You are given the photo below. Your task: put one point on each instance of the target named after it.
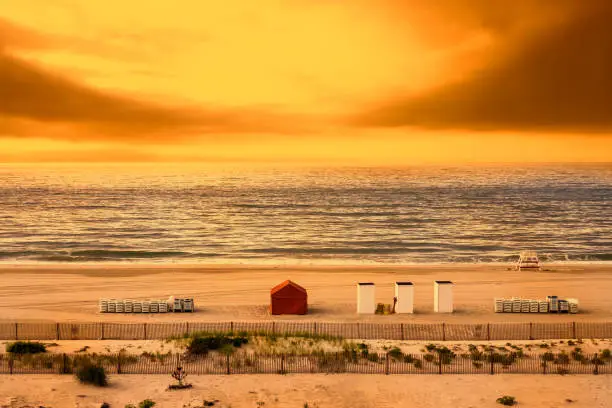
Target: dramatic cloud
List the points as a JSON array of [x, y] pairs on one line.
[[30, 94], [556, 78]]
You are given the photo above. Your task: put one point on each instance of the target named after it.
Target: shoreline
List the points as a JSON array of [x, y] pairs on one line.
[[302, 266], [272, 264]]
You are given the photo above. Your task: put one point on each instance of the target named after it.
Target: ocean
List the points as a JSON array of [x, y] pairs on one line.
[[164, 213]]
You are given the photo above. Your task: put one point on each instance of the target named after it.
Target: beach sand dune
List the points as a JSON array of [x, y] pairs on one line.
[[71, 292]]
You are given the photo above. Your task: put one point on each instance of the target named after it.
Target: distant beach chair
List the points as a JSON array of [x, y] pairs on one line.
[[146, 306], [112, 306], [163, 307], [154, 306], [543, 306], [137, 306], [528, 261], [120, 308]]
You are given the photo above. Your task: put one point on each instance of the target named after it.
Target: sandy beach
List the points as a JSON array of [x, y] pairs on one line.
[[70, 293], [318, 391]]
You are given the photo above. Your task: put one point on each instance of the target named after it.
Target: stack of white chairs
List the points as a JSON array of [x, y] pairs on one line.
[[103, 305], [146, 306], [516, 305], [499, 305], [188, 305], [525, 305], [177, 305], [573, 305], [551, 305]]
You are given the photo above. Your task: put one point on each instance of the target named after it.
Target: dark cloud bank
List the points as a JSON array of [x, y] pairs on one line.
[[557, 79]]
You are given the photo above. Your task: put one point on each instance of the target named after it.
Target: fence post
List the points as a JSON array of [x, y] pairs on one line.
[[574, 330], [57, 331], [315, 328], [596, 362], [102, 331], [439, 363], [64, 358], [544, 365], [488, 331], [358, 331], [387, 365], [492, 363], [530, 330], [402, 330], [273, 328], [443, 331], [16, 331], [11, 361], [232, 327], [282, 364], [227, 364], [119, 363], [144, 326], [187, 327]]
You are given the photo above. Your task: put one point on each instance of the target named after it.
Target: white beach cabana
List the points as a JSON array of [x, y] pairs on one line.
[[443, 297], [366, 298], [404, 292]]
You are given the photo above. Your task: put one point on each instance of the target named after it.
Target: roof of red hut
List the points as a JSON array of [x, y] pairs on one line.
[[285, 284]]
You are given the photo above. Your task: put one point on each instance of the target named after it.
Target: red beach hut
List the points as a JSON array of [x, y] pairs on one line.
[[288, 298]]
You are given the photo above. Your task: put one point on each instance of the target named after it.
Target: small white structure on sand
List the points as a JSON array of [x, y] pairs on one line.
[[528, 261], [366, 298], [404, 292], [443, 297]]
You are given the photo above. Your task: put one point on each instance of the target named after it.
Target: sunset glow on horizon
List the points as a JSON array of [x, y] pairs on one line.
[[383, 82]]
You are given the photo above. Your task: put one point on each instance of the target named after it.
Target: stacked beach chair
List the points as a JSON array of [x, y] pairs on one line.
[[146, 306], [573, 305], [552, 304]]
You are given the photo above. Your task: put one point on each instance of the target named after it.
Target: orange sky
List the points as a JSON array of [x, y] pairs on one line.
[[297, 81]]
